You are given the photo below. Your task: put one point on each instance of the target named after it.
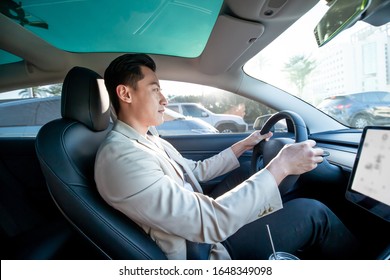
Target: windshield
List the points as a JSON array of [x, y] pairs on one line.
[[348, 78]]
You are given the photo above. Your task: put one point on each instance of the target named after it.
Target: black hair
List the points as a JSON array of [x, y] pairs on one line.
[[125, 70]]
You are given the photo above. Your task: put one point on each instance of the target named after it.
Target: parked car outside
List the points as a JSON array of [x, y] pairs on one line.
[[178, 124], [31, 114], [280, 126], [359, 109], [225, 123], [35, 112]]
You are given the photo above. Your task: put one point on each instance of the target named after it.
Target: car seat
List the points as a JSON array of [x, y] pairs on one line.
[[66, 149]]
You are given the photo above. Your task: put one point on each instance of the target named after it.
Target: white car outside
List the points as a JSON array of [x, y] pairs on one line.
[[225, 123]]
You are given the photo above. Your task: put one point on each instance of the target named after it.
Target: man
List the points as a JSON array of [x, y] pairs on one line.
[[148, 180]]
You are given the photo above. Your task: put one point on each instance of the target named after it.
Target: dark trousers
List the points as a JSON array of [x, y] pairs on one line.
[[304, 227]]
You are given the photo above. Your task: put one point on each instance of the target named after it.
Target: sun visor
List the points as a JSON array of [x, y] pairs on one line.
[[236, 36]]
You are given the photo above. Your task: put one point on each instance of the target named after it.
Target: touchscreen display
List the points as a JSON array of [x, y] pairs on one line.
[[372, 174], [369, 185]]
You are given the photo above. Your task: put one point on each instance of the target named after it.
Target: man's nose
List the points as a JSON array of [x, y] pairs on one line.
[[164, 101]]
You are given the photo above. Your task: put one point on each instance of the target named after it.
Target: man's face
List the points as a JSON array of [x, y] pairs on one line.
[[148, 103]]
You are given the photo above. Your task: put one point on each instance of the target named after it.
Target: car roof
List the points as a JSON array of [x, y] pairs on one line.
[[174, 114], [183, 103], [342, 96], [155, 27]]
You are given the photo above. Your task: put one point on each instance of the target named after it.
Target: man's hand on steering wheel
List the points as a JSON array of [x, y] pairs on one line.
[[250, 142], [266, 151], [295, 159]]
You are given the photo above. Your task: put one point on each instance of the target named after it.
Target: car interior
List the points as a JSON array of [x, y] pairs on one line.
[[50, 208]]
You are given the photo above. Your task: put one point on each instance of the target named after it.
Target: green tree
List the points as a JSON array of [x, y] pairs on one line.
[[41, 91], [54, 89], [298, 69]]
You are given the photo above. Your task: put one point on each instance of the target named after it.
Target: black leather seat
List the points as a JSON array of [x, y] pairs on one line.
[[66, 149]]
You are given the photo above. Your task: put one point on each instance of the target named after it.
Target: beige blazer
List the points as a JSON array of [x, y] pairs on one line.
[[137, 177]]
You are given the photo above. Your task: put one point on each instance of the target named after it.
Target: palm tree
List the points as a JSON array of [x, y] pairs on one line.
[[29, 93], [298, 69], [35, 92]]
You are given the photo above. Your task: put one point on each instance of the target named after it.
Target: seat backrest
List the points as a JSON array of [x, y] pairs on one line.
[[66, 149]]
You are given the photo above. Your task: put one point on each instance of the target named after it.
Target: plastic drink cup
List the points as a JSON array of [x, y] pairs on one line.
[[282, 256]]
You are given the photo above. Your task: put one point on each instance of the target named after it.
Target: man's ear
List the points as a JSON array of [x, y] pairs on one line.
[[124, 93]]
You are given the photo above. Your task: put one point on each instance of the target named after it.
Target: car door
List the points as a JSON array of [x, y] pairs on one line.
[[381, 107]]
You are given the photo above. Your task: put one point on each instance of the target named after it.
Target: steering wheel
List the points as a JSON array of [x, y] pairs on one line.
[[265, 151]]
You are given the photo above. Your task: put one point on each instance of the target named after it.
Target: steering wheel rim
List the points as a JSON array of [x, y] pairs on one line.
[[265, 151]]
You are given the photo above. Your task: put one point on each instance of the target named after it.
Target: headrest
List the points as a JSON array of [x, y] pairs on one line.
[[85, 99]]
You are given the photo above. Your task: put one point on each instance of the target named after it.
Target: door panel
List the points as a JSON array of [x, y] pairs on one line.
[[31, 226], [200, 147]]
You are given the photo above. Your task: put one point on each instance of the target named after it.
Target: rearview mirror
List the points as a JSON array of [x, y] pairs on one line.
[[341, 15]]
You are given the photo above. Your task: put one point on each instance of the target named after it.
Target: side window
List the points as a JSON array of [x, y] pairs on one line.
[[386, 97], [24, 111], [208, 110], [370, 97], [193, 111], [174, 108]]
